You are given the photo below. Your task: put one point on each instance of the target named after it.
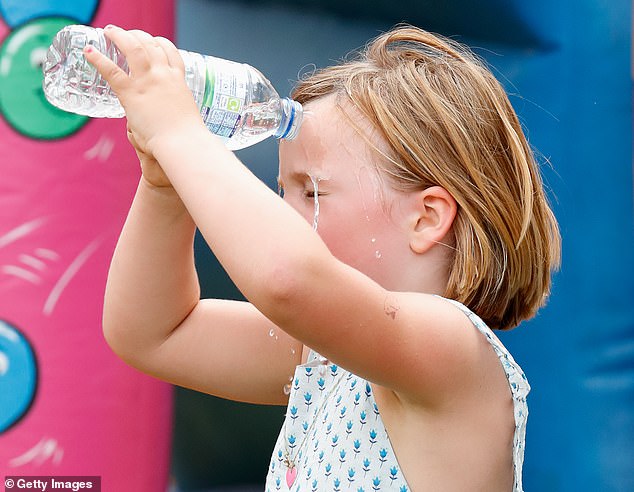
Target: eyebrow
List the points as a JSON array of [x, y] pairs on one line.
[[294, 176], [301, 178]]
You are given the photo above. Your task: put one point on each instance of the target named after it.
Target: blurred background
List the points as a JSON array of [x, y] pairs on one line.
[[567, 66]]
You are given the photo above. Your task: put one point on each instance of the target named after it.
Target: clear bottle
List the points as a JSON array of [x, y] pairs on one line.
[[235, 100]]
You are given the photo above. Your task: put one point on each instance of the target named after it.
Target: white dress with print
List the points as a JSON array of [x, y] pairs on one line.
[[334, 435]]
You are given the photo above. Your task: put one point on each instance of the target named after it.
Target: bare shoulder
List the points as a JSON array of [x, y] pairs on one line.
[[418, 345], [442, 351]]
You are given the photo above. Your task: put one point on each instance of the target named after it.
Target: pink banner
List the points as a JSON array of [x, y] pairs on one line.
[[68, 406]]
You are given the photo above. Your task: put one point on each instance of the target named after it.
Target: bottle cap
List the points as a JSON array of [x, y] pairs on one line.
[[292, 113]]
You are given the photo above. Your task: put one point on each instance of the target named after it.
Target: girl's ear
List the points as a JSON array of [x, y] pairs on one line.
[[433, 213]]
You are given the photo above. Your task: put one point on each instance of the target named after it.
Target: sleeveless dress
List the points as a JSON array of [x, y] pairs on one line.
[[333, 437]]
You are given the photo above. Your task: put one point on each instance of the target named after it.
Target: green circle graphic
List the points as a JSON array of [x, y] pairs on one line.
[[22, 100]]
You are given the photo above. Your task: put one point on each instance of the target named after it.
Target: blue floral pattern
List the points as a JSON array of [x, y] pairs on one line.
[[334, 433]]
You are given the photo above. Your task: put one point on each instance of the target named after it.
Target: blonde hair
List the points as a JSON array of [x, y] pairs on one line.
[[448, 122]]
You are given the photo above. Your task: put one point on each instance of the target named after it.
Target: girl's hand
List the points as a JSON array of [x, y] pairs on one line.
[[150, 168], [156, 99]]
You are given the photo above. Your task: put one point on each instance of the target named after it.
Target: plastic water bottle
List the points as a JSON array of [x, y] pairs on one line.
[[235, 100]]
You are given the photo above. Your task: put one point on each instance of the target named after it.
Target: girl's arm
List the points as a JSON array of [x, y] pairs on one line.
[[272, 254], [153, 317], [154, 320]]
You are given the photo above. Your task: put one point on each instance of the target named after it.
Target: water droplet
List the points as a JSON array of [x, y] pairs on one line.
[[378, 254], [271, 332], [292, 351], [287, 389], [373, 240]]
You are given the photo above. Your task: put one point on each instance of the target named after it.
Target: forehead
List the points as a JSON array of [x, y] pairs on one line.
[[331, 132]]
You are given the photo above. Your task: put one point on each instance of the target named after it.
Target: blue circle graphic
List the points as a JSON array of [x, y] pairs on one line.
[[18, 375], [16, 12]]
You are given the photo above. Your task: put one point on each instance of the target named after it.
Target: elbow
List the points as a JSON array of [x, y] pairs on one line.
[[124, 347], [289, 285], [282, 294], [113, 336], [113, 323], [118, 336]]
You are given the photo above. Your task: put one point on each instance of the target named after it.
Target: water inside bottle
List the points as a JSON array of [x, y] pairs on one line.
[[73, 84]]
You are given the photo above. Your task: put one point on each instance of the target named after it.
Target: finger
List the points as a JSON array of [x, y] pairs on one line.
[[130, 45], [153, 49], [173, 56], [132, 140], [109, 70]]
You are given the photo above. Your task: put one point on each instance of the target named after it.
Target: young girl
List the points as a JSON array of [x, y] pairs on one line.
[[375, 313]]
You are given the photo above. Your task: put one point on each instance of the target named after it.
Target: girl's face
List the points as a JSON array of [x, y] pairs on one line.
[[356, 213]]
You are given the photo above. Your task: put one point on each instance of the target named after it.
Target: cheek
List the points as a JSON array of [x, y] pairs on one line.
[[360, 237]]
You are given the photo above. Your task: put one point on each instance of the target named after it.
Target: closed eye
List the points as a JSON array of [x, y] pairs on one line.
[[311, 193]]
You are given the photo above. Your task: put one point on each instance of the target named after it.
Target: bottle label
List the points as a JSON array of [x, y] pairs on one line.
[[225, 96]]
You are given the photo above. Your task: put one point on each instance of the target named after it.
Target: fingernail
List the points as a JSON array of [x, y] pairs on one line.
[[109, 26], [88, 49]]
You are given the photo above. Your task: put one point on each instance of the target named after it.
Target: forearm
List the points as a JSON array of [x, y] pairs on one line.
[[152, 284], [262, 242]]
